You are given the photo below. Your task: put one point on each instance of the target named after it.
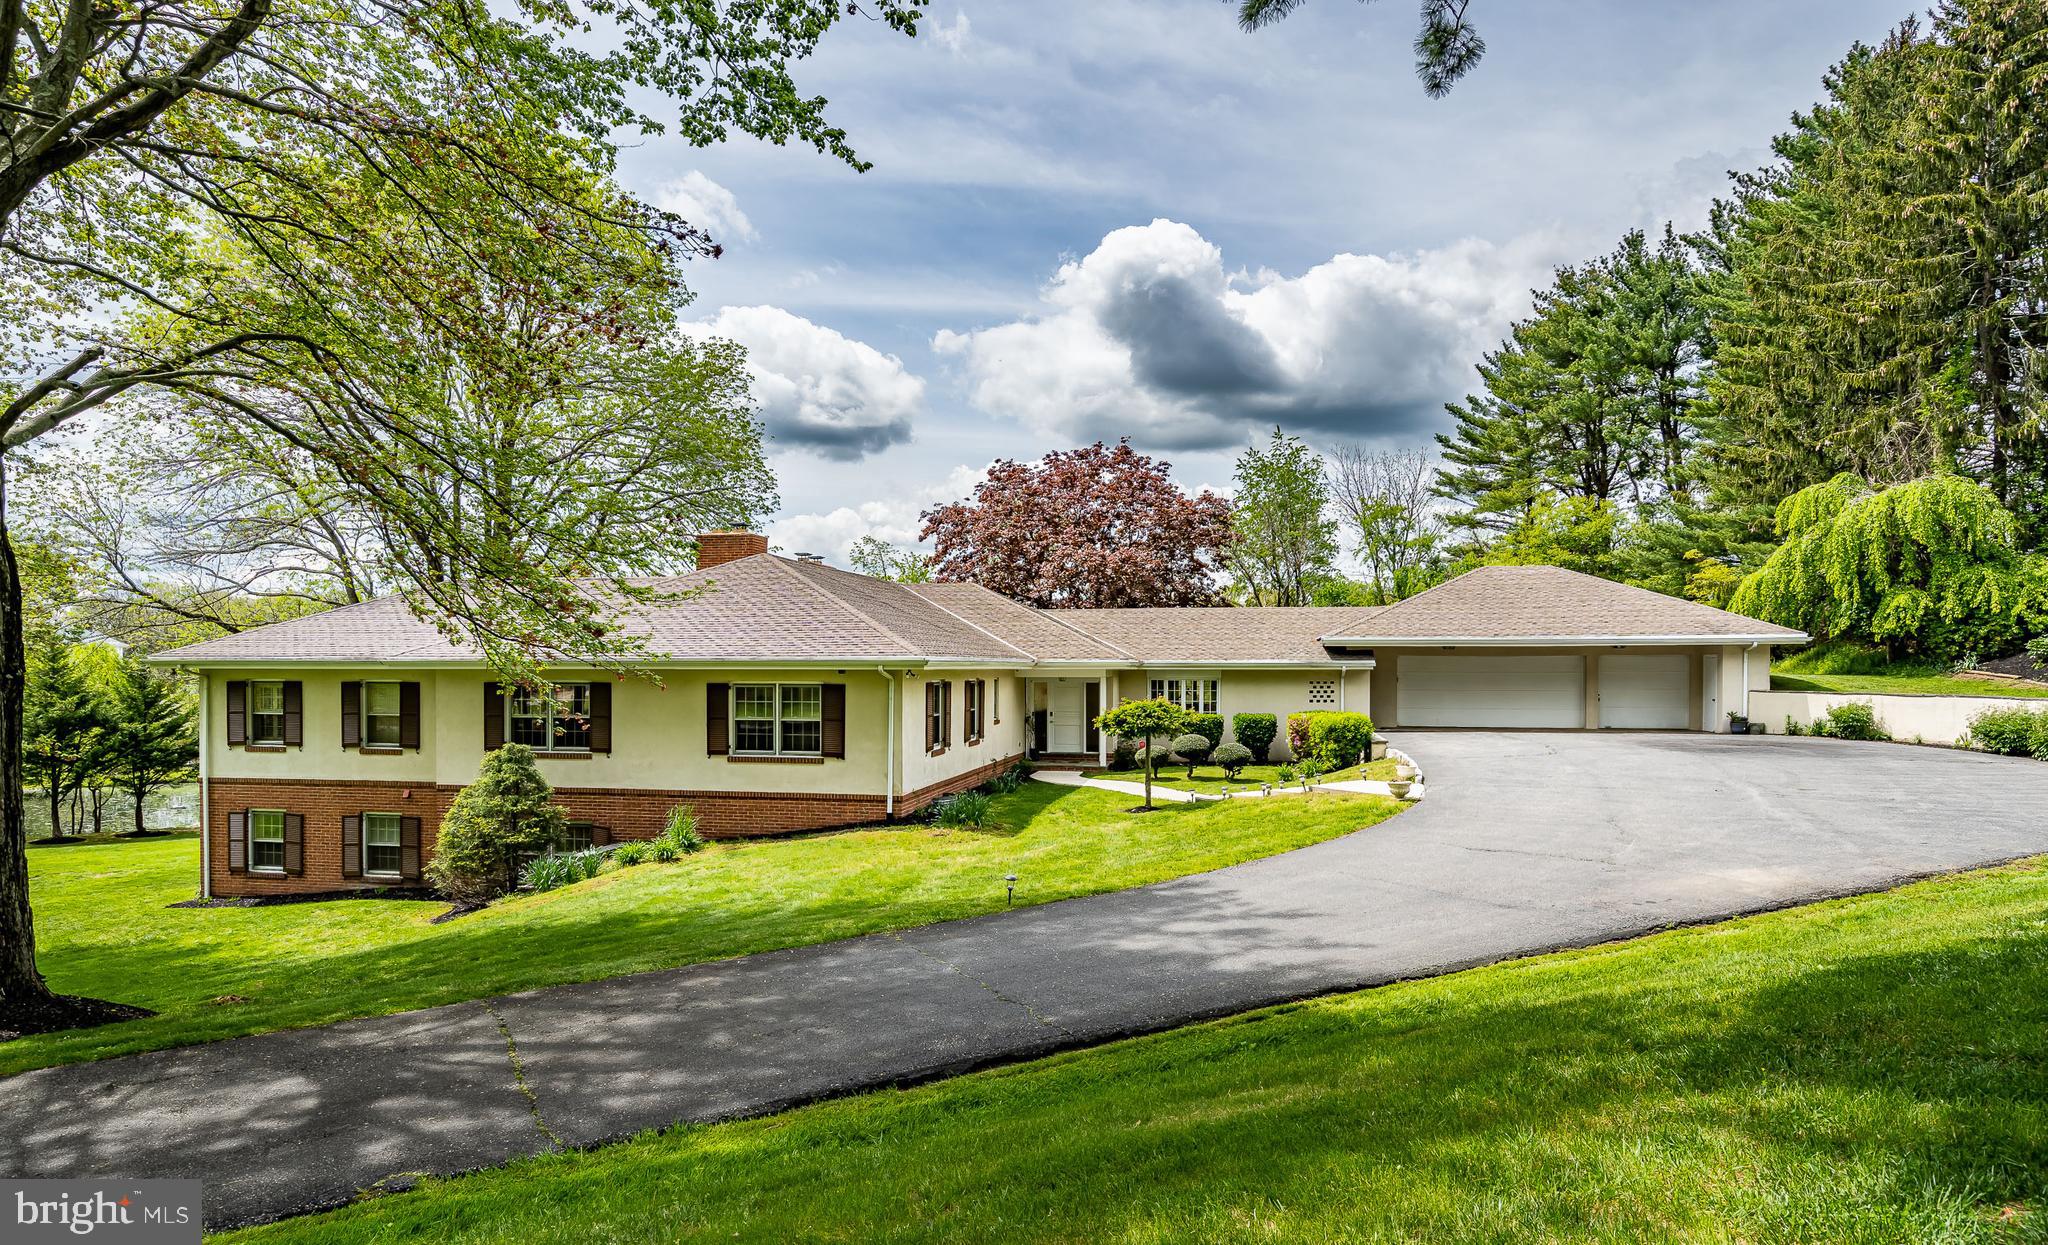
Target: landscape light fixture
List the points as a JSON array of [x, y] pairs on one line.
[[1009, 889]]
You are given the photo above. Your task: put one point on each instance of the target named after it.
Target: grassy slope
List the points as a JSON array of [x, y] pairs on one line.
[[104, 930], [1868, 1070], [1209, 778], [1908, 682]]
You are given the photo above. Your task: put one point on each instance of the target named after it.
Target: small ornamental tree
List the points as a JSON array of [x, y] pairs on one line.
[[1149, 720], [509, 810], [1232, 758]]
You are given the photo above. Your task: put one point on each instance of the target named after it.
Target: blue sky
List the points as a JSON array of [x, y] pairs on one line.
[[1091, 218]]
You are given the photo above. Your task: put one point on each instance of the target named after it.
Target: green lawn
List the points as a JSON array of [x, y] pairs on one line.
[[103, 927], [1911, 682], [1210, 779], [1874, 1069]]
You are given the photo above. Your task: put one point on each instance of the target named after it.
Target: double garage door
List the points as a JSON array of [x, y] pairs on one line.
[[1640, 691]]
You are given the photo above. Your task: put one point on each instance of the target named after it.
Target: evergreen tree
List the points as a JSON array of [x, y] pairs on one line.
[[62, 723], [507, 812], [152, 739]]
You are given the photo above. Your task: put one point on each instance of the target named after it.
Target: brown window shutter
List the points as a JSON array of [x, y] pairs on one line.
[[600, 717], [494, 715], [931, 716], [995, 702], [352, 846], [409, 847], [294, 713], [945, 713], [294, 844], [1094, 712], [717, 719], [238, 712], [238, 842], [600, 835], [351, 715], [833, 730], [408, 715]]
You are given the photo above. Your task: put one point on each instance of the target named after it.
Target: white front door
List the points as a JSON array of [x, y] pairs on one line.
[[1710, 692], [1491, 690], [1646, 691], [1068, 731]]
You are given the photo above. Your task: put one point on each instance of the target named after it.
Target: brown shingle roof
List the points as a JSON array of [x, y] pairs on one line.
[[1541, 602], [1220, 633], [759, 608], [767, 608]]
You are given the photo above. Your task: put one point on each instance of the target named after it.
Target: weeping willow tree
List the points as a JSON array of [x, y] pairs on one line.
[[1932, 568]]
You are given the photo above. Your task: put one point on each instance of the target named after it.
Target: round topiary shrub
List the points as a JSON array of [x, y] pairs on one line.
[[1191, 750], [1232, 757]]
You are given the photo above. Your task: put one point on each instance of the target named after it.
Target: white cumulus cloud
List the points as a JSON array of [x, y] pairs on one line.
[[1151, 335], [894, 519], [707, 205], [818, 389]]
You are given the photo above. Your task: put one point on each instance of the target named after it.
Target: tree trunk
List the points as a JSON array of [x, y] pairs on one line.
[[23, 993], [139, 796]]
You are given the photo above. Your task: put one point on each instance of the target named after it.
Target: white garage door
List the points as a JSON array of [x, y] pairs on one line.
[[1645, 691], [1474, 690]]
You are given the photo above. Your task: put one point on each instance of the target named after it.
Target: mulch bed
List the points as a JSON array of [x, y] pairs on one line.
[[70, 1011], [273, 901], [2018, 666]]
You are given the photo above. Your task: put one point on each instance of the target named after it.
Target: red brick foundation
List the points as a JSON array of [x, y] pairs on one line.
[[630, 814]]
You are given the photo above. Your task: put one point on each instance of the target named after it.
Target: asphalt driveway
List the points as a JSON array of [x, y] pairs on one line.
[[1529, 841]]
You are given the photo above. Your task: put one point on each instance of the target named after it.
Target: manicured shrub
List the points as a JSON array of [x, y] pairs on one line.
[[1209, 725], [1191, 750], [1855, 719], [1232, 757], [682, 830], [2009, 732], [1336, 740], [506, 814], [966, 810], [1256, 731], [626, 855]]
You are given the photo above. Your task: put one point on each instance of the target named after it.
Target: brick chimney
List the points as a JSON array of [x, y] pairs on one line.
[[718, 548]]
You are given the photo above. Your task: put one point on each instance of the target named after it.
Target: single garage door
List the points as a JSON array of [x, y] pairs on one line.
[[1475, 690], [1645, 691]]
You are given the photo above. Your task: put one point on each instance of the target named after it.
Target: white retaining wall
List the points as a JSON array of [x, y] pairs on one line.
[[1923, 719]]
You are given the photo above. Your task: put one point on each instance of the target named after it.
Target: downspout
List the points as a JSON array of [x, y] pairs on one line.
[[889, 798], [1745, 678], [205, 786]]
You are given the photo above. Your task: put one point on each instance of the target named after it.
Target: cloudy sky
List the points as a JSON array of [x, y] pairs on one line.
[[1100, 218]]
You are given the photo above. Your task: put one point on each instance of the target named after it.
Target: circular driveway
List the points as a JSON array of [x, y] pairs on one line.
[[1528, 841]]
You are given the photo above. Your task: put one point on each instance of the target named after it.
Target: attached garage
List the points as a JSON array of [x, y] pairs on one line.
[[1645, 691], [1505, 690]]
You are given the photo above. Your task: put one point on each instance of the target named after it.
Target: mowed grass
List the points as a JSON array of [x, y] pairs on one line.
[[1210, 780], [1866, 1070], [1911, 682], [104, 927]]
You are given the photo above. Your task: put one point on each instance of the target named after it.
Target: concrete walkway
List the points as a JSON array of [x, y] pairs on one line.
[[1531, 841]]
